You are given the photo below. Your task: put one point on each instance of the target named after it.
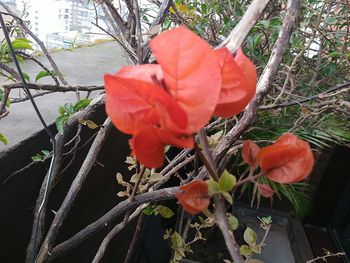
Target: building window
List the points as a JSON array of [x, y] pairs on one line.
[[66, 11], [66, 17]]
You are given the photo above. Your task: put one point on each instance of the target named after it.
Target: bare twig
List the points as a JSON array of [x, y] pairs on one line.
[[241, 31], [54, 88], [73, 191], [110, 217], [36, 236], [221, 221], [327, 255], [135, 238]]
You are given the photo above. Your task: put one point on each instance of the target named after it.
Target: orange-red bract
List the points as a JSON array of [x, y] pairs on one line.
[[248, 69], [288, 160], [191, 73], [235, 92], [134, 104], [249, 152], [265, 190], [193, 196], [148, 145]]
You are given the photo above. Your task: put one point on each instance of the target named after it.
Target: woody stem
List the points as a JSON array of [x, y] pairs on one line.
[[206, 156], [137, 184]]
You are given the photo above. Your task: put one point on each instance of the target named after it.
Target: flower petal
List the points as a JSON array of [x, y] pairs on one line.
[[191, 73], [235, 93]]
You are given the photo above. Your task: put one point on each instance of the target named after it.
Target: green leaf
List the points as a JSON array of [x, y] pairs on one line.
[[256, 249], [69, 108], [21, 43], [60, 122], [227, 181], [81, 104], [228, 197], [26, 76], [250, 236], [149, 210], [3, 139], [62, 110], [245, 250], [45, 152], [37, 158], [43, 74], [331, 20], [213, 187], [164, 211], [89, 123], [232, 222]]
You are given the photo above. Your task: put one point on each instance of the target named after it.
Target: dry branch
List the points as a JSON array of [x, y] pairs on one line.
[[62, 213]]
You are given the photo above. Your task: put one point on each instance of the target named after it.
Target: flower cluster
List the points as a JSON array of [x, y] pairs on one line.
[[166, 103], [288, 160]]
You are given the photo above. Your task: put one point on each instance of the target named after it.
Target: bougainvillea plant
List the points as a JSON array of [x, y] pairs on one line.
[[167, 103]]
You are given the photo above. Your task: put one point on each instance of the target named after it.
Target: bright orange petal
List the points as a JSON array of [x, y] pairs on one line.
[[235, 93], [249, 152], [148, 148], [134, 101], [191, 73], [289, 160], [248, 69]]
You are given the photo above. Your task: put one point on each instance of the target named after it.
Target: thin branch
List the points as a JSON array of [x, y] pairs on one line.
[[110, 217], [9, 70], [54, 88], [73, 191], [38, 223], [221, 221], [321, 95], [135, 238], [248, 21], [25, 55]]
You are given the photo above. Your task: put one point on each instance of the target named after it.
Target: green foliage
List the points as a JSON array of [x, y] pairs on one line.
[[3, 139], [19, 43], [67, 110], [8, 102], [42, 156], [43, 74]]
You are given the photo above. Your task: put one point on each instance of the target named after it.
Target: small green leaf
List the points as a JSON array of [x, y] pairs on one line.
[[256, 249], [3, 139], [69, 108], [213, 187], [245, 250], [164, 211], [232, 222], [250, 236], [37, 158], [60, 122], [227, 181], [228, 197], [45, 152], [26, 76], [42, 74], [21, 43], [81, 104], [149, 210], [62, 110], [91, 124]]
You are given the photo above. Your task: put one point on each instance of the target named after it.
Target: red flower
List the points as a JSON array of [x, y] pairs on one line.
[[249, 152], [194, 196], [265, 190], [288, 160], [166, 103]]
